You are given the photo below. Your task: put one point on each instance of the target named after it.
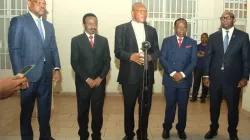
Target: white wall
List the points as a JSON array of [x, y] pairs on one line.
[[205, 8], [246, 93]]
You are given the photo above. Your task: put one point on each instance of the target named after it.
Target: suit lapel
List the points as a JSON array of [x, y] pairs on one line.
[[86, 42], [46, 28], [232, 40], [220, 42], [33, 27], [183, 42], [96, 40], [146, 31], [131, 35], [174, 41]]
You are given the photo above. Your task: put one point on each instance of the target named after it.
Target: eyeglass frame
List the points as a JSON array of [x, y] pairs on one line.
[[39, 3], [226, 18], [141, 11]]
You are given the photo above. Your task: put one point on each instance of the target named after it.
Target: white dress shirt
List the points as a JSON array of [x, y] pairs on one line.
[[139, 33], [35, 19], [93, 39], [230, 33]]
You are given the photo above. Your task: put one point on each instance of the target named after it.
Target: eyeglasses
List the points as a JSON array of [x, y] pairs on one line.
[[141, 11], [181, 28], [226, 18], [39, 3]]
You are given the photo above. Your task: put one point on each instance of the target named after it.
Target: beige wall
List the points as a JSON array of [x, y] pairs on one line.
[[246, 93]]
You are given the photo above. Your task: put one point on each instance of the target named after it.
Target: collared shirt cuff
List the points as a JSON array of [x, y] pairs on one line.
[[57, 68], [87, 79], [172, 74], [205, 76], [183, 75]]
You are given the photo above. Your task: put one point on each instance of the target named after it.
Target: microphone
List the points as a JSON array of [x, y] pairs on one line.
[[146, 45]]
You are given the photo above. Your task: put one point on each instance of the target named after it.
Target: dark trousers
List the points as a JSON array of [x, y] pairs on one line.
[[176, 96], [42, 91], [85, 97], [198, 72], [231, 95], [130, 94]]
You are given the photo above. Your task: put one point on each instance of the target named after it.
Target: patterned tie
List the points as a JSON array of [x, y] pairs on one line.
[[91, 41], [179, 42], [40, 27], [225, 42]]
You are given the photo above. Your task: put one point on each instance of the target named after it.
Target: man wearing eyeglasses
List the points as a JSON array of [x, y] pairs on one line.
[[178, 59], [226, 72], [32, 41], [128, 42]]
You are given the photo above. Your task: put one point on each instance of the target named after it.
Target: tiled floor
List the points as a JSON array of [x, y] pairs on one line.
[[64, 125]]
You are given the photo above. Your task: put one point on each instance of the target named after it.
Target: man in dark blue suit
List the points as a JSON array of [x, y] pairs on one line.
[[226, 72], [32, 41], [178, 59]]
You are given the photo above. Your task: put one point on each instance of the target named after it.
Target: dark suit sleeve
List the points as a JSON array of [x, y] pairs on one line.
[[245, 57], [14, 42], [155, 54], [120, 53], [188, 70], [208, 56], [106, 59], [54, 51], [75, 58], [164, 58]]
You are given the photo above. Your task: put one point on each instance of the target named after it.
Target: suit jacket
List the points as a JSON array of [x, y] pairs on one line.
[[89, 62], [177, 59], [125, 45], [27, 47], [235, 59]]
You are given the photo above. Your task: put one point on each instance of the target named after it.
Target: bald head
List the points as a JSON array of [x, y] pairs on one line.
[[135, 5], [228, 13]]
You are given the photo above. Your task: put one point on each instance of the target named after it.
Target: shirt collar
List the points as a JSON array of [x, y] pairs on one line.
[[136, 23], [179, 37], [34, 16], [89, 35], [230, 30]]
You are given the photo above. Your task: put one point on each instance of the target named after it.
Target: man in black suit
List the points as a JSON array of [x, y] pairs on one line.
[[226, 72], [128, 41], [90, 59]]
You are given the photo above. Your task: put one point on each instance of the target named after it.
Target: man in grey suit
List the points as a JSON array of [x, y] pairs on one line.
[[32, 41], [90, 59]]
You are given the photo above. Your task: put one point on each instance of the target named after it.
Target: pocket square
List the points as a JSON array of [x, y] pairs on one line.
[[188, 46]]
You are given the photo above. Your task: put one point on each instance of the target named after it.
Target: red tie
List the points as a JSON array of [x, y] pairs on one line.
[[91, 41], [179, 42]]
